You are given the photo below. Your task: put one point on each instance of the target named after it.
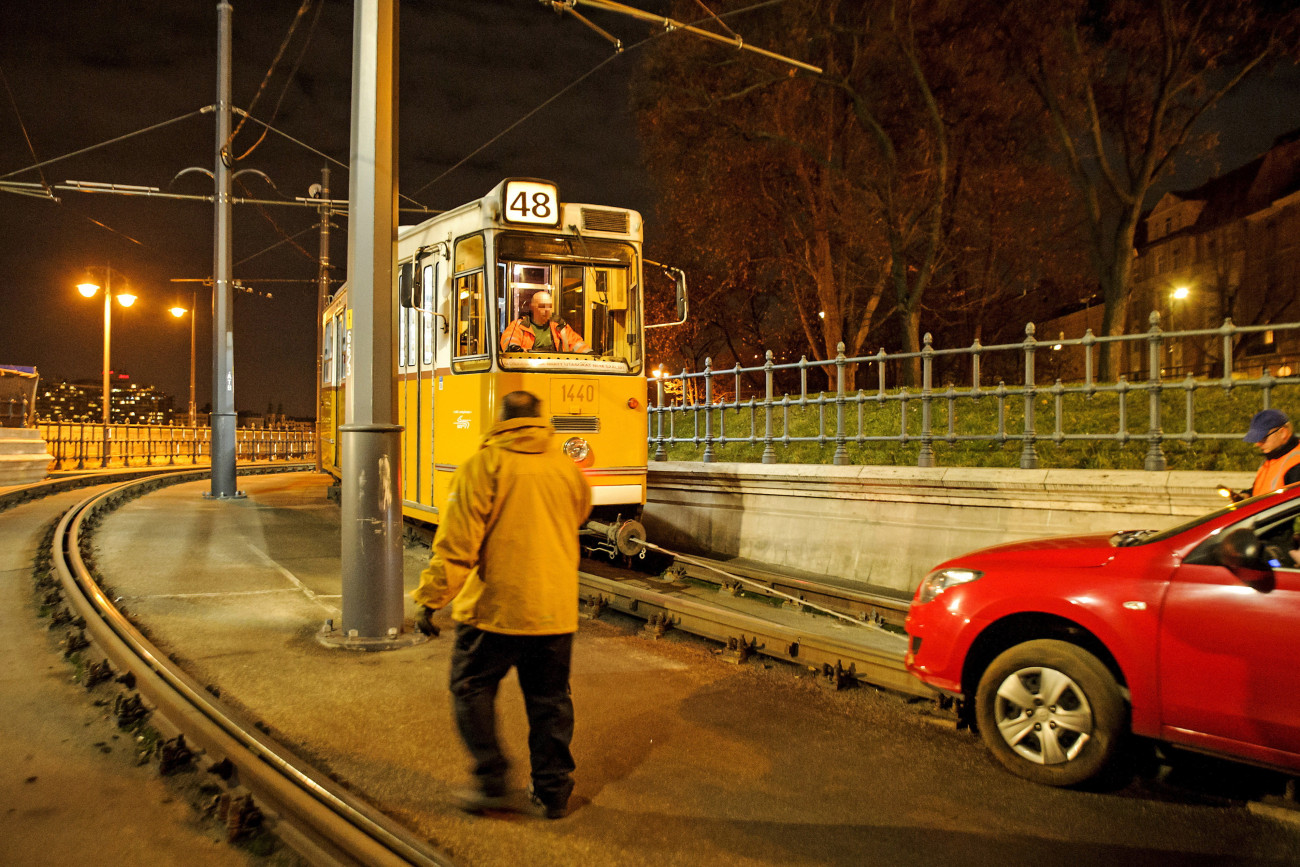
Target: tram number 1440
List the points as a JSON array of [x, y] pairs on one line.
[[573, 397]]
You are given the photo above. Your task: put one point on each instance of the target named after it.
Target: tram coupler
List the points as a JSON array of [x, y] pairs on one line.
[[620, 537]]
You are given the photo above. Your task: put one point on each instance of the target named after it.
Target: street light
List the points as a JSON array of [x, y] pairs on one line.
[[88, 287], [179, 311], [1179, 293]]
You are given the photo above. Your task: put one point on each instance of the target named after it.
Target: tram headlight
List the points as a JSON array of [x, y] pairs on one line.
[[579, 450]]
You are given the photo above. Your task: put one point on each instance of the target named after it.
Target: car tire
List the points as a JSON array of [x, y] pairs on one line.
[[1050, 712]]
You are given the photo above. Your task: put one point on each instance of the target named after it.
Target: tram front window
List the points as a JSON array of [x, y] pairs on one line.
[[567, 298]]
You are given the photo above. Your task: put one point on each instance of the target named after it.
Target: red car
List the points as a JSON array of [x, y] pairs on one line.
[[1060, 647]]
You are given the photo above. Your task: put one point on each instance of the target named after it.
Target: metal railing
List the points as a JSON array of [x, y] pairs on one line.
[[78, 445], [708, 406]]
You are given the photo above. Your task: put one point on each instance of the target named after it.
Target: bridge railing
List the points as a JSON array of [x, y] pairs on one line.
[[78, 445], [1156, 403]]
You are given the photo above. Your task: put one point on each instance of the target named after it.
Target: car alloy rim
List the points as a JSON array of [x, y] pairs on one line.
[[1043, 715]]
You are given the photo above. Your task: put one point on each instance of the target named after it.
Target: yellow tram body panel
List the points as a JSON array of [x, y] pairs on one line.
[[465, 276]]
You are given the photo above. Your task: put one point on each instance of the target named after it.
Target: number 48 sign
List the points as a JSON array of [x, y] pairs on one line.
[[533, 202]]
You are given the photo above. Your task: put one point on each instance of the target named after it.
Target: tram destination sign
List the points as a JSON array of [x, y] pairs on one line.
[[531, 202]]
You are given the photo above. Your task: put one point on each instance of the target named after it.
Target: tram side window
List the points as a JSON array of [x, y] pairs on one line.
[[345, 349], [471, 313], [426, 319], [403, 317], [327, 356]]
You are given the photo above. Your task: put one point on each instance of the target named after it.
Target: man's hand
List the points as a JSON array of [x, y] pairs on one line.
[[424, 623]]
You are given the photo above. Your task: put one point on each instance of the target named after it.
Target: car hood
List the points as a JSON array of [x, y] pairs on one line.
[[1065, 551]]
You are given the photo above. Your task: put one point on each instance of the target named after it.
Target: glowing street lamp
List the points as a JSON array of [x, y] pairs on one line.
[[88, 287], [179, 311]]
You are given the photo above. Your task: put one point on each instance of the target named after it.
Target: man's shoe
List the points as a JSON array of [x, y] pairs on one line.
[[549, 809], [475, 802]]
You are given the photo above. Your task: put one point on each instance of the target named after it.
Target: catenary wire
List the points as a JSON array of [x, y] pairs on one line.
[[261, 88], [574, 84]]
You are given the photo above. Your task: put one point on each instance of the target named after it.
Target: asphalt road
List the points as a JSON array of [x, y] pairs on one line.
[[683, 758]]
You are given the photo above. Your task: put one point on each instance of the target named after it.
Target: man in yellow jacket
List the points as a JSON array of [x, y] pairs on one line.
[[506, 557]]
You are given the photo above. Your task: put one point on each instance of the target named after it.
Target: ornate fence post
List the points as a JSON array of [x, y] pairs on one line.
[[926, 456], [1155, 460], [1029, 451], [1088, 341], [841, 451], [769, 453], [661, 453], [1227, 330], [708, 411]]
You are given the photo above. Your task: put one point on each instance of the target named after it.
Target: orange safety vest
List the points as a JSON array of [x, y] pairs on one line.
[[564, 338], [1272, 473]]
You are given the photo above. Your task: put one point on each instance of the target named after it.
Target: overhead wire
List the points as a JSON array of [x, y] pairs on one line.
[[266, 80], [620, 50], [23, 126], [120, 138]]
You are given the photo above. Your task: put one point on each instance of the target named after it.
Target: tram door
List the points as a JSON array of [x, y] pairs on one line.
[[416, 363], [460, 389]]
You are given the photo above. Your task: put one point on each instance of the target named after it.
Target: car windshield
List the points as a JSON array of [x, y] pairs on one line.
[[1196, 522], [564, 298]]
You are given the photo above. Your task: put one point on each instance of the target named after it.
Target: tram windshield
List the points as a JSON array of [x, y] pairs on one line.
[[567, 303]]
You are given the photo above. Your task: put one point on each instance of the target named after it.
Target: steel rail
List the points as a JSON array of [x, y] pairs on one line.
[[849, 600], [872, 665], [317, 817]]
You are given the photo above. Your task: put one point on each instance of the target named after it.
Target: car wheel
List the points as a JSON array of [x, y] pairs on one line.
[[1050, 712]]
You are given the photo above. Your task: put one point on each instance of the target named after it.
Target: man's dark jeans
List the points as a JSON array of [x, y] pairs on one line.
[[478, 662]]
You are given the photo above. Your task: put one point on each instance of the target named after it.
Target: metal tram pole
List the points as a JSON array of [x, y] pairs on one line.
[[223, 341], [322, 297], [371, 483]]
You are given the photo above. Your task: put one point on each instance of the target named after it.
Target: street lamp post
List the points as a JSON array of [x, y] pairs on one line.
[[88, 287], [178, 312]]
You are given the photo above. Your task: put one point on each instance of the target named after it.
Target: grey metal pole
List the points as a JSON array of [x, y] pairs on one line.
[[194, 314], [323, 291], [223, 341], [371, 483]]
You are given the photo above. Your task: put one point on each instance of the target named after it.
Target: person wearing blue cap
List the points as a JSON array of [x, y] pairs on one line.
[[1271, 430]]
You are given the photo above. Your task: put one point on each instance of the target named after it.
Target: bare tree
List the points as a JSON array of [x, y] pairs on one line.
[[1124, 83]]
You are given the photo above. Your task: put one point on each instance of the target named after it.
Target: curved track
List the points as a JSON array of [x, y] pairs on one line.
[[311, 813]]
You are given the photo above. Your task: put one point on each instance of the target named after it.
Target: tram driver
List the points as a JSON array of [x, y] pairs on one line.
[[540, 332]]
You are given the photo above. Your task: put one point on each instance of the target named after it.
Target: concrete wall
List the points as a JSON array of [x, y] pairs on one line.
[[24, 457], [885, 527]]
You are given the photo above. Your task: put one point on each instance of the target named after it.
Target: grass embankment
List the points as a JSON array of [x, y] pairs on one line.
[[1214, 411]]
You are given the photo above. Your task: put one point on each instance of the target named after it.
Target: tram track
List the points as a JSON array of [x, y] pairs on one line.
[[307, 810], [854, 649]]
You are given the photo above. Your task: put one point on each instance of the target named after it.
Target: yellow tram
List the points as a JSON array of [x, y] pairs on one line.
[[469, 280]]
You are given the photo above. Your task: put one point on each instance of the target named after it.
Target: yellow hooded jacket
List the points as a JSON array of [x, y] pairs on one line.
[[506, 551]]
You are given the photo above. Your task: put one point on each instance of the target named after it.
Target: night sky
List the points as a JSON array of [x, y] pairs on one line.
[[81, 73]]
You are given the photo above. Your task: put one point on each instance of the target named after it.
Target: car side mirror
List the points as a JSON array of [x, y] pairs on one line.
[[1241, 550]]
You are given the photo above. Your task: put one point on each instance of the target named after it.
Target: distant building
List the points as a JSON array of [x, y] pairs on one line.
[[1228, 248], [83, 401]]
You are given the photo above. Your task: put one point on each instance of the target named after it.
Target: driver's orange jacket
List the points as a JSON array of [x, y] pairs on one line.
[[564, 338], [1272, 473]]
